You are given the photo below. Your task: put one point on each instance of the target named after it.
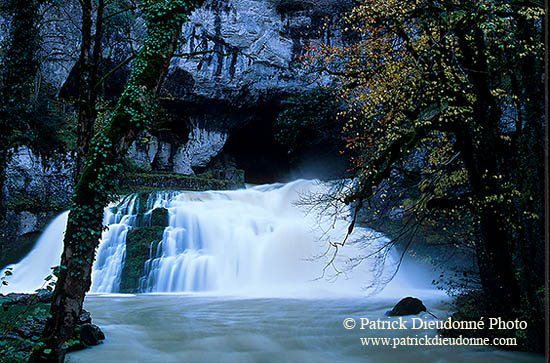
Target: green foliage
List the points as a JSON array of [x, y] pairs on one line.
[[451, 92], [17, 75], [119, 18], [29, 114], [98, 180], [307, 119], [20, 315]]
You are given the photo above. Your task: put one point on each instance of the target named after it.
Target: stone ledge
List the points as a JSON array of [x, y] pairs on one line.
[[222, 180]]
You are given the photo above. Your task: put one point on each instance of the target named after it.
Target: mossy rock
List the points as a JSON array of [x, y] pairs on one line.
[[35, 204], [138, 243], [159, 217], [86, 335], [154, 181]]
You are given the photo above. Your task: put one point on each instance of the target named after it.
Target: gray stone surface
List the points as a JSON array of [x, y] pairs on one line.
[[248, 48], [28, 175], [234, 57], [35, 191], [201, 147], [163, 158], [28, 222], [241, 44], [60, 31], [143, 152]]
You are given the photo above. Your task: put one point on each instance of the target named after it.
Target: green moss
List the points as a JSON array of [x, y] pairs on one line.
[[159, 217], [138, 243], [35, 204], [133, 182], [14, 314], [13, 251]]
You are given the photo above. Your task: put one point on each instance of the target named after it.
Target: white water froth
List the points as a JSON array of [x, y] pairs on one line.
[[253, 242], [112, 249]]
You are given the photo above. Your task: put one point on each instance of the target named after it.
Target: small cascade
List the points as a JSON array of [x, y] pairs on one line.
[[251, 240], [111, 252]]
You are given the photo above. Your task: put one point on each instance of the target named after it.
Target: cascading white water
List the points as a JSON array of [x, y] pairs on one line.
[[254, 240], [29, 273], [111, 252]]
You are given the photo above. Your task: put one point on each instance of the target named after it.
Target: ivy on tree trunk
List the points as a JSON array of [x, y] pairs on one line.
[[97, 181], [88, 76]]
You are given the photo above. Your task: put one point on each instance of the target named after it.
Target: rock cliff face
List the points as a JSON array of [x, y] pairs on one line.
[[230, 49], [248, 49], [236, 61], [35, 191], [41, 185]]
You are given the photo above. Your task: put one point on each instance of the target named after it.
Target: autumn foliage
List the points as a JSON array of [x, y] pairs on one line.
[[450, 94]]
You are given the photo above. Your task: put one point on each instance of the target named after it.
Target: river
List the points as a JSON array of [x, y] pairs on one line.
[[202, 328], [237, 276]]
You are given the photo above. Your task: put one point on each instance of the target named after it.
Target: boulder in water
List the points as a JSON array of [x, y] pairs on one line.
[[407, 306], [91, 334]]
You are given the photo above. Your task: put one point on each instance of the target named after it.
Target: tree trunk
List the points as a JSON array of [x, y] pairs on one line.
[[481, 147], [88, 75], [92, 193]]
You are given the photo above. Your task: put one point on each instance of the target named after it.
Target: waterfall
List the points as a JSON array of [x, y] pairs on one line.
[[255, 240], [29, 273], [112, 250]]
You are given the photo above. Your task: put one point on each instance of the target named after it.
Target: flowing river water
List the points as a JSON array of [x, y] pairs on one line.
[[194, 328], [238, 277]]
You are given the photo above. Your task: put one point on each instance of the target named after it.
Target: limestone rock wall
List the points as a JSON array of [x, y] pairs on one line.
[[35, 190]]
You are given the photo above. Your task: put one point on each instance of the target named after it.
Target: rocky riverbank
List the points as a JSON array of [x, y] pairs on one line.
[[22, 319]]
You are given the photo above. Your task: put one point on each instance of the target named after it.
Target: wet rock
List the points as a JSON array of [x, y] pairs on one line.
[[143, 152], [140, 244], [84, 318], [407, 306], [16, 298], [163, 158], [91, 334], [159, 217], [44, 296], [30, 175], [27, 223]]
